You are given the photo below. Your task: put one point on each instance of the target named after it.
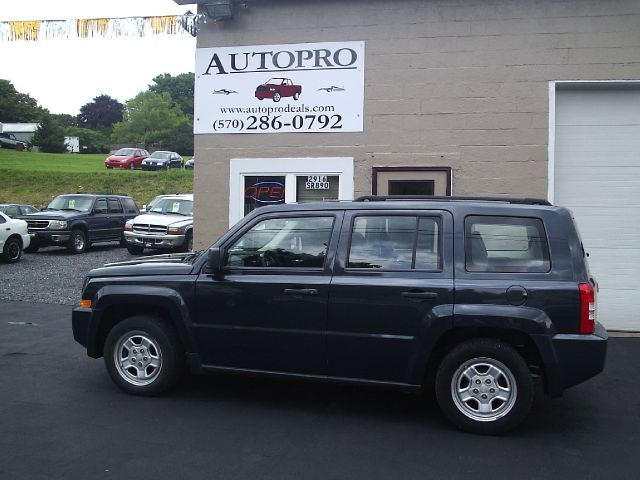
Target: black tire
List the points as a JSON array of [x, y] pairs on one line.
[[187, 246], [12, 251], [77, 242], [505, 387], [132, 166], [134, 249], [276, 96], [158, 361], [32, 248], [296, 96]]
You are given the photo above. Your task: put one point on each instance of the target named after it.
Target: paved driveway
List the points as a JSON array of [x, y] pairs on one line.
[[62, 418]]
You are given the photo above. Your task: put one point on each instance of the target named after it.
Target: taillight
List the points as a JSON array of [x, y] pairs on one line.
[[587, 308]]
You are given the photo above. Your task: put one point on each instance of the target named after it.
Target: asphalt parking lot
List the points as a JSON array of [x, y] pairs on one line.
[[62, 418]]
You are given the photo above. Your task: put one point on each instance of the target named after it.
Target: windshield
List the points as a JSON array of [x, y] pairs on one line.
[[277, 81], [171, 206], [80, 203], [161, 155], [124, 152]]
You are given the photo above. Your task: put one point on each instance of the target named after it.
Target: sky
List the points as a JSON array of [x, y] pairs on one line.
[[65, 74]]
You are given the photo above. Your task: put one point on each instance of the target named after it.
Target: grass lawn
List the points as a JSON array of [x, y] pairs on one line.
[[36, 178]]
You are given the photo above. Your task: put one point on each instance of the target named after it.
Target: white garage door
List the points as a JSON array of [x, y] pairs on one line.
[[597, 176]]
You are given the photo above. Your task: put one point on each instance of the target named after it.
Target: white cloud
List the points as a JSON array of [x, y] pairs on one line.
[[64, 74]]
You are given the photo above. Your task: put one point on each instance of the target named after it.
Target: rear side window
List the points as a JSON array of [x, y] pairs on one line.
[[506, 245], [129, 205], [114, 206], [395, 243]]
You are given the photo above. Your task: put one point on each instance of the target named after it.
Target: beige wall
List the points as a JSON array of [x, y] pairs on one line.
[[457, 83]]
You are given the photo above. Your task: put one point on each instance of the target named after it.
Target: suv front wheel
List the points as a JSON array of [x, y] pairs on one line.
[[78, 242], [143, 355], [484, 386]]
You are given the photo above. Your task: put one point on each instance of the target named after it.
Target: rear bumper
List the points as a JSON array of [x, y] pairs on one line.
[[572, 359]]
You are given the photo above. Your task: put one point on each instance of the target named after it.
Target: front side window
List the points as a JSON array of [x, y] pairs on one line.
[[506, 245], [395, 243], [299, 242], [101, 206]]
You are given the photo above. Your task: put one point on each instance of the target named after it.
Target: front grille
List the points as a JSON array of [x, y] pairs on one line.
[[37, 224], [147, 228]]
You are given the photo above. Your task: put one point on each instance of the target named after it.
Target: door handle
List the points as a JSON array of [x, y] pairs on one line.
[[420, 295], [300, 291]]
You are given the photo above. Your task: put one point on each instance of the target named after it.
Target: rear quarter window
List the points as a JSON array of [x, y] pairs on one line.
[[506, 245]]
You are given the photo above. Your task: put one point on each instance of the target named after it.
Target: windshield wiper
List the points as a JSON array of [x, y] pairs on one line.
[[74, 209], [50, 208], [180, 213]]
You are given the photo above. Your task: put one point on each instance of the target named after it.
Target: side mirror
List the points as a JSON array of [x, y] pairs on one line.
[[214, 260], [144, 208]]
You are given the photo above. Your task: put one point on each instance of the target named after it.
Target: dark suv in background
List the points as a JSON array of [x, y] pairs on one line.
[[473, 297], [78, 220]]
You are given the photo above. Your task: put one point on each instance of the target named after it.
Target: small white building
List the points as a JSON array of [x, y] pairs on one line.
[[23, 131]]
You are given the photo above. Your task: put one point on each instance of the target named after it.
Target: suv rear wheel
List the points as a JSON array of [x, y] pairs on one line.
[[484, 386], [143, 355]]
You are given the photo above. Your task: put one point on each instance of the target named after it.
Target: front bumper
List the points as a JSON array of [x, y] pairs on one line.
[[49, 237], [154, 241], [154, 167], [80, 321], [572, 359]]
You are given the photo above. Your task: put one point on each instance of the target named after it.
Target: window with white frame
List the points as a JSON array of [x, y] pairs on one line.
[[255, 182]]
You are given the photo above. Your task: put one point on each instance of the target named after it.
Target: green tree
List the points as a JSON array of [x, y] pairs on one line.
[[16, 107], [91, 141], [65, 119], [153, 119], [49, 136], [180, 88], [103, 111]]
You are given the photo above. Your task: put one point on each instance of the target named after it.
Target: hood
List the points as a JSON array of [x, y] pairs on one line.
[[164, 220], [156, 160], [169, 264], [119, 157], [53, 215]]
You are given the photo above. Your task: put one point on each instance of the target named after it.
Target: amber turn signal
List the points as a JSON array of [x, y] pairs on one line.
[[85, 303]]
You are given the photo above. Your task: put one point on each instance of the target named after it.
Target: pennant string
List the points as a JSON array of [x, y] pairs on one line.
[[34, 30]]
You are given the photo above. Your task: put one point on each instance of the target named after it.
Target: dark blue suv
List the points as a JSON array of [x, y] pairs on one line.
[[76, 221], [476, 298]]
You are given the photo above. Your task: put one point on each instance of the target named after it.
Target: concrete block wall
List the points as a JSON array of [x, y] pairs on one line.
[[456, 83]]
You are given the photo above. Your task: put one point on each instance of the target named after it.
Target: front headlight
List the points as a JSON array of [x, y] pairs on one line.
[[58, 225], [175, 231], [128, 227]]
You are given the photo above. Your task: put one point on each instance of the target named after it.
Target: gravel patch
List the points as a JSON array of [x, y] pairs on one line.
[[52, 275]]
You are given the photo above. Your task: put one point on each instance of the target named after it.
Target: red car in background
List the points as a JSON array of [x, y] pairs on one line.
[[126, 158], [276, 88]]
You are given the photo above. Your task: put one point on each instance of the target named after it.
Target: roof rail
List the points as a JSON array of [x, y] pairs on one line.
[[429, 198]]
